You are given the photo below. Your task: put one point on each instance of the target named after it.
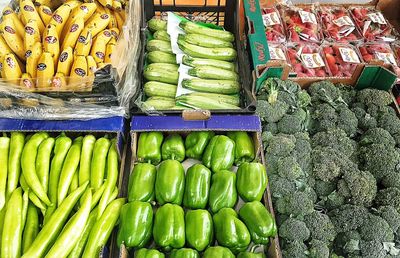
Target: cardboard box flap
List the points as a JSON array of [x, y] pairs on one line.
[[376, 77], [177, 123]]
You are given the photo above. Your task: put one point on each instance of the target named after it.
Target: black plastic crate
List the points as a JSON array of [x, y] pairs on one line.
[[223, 13]]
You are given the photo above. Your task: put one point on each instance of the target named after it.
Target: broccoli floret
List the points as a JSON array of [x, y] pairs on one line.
[[323, 188], [334, 200], [304, 99], [347, 243], [389, 197], [391, 123], [295, 249], [348, 217], [281, 145], [271, 113], [347, 92], [290, 86], [294, 229], [281, 186], [392, 179], [323, 117], [289, 168], [372, 249], [302, 151], [365, 120], [328, 163], [318, 249], [336, 139], [374, 97], [320, 226], [375, 228], [290, 124], [324, 91], [290, 99], [347, 120], [379, 159], [377, 136], [270, 127], [391, 215], [297, 204], [358, 187]]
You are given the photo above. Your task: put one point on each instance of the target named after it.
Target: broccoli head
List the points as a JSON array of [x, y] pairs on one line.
[[365, 120], [281, 145], [323, 117], [324, 91], [291, 124], [389, 197], [347, 92], [270, 127], [377, 136], [304, 99], [323, 188], [297, 204], [392, 179], [375, 228], [347, 243], [320, 226], [348, 217], [391, 123], [328, 163], [358, 187], [302, 151], [271, 113], [281, 186], [334, 200], [336, 139], [295, 249], [293, 229], [372, 249], [391, 215], [347, 120], [318, 249], [374, 97], [288, 167]]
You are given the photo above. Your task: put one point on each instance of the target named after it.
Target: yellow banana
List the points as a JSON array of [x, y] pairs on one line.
[[32, 58], [14, 41], [60, 17], [113, 21], [45, 70], [78, 71], [115, 33], [53, 4], [11, 69], [59, 81], [26, 81], [106, 3], [98, 23], [92, 66], [29, 13], [117, 6], [120, 20], [84, 11], [109, 51], [72, 33], [99, 46], [32, 34], [4, 48], [65, 61], [51, 43], [101, 66], [73, 3], [8, 13], [45, 13], [84, 43]]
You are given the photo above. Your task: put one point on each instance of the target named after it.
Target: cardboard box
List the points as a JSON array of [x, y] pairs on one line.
[[366, 75], [218, 124]]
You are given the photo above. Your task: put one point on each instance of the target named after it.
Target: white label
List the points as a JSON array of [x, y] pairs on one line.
[[343, 21], [312, 60], [377, 18], [276, 53], [387, 58], [270, 19], [349, 55], [307, 17]]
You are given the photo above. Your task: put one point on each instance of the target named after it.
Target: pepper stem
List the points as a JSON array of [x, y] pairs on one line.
[[254, 247], [4, 134]]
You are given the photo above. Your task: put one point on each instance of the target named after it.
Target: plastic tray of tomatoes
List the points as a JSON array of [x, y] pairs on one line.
[[341, 58], [306, 60], [274, 29]]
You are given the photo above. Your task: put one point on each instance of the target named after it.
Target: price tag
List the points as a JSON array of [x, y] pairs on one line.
[[276, 53], [343, 21], [349, 55], [270, 19], [377, 18], [312, 60], [387, 58], [307, 17]]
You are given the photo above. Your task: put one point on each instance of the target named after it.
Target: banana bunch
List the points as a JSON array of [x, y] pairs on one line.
[[54, 43]]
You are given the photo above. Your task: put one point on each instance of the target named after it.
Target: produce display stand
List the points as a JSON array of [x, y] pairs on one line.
[[217, 123]]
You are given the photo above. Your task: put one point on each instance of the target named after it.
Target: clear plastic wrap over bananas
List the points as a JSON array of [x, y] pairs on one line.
[[76, 51]]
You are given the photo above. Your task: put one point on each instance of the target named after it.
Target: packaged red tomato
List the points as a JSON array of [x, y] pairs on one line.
[[306, 60], [302, 24], [277, 52], [381, 52], [372, 24], [341, 59], [338, 25], [273, 25]]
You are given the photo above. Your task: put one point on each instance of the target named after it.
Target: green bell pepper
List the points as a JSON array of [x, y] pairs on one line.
[[223, 191], [244, 147], [196, 143], [141, 183], [184, 253], [148, 253], [197, 187], [251, 255], [230, 231], [220, 153], [218, 251], [259, 221], [136, 221], [170, 182], [149, 147], [251, 181], [169, 227], [199, 229], [173, 148]]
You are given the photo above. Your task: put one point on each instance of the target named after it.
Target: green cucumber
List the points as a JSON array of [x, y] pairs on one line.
[[159, 45], [160, 89], [161, 57], [159, 103], [204, 41], [224, 54], [161, 75], [162, 35], [194, 62], [157, 24], [191, 27], [228, 99], [202, 102], [210, 72], [212, 86], [167, 67]]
